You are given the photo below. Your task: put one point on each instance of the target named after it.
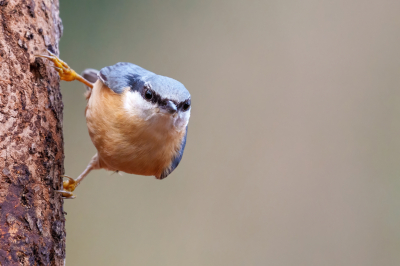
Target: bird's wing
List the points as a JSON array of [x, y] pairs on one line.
[[177, 158], [122, 75]]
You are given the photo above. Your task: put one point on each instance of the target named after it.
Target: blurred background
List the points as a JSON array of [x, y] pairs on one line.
[[293, 152]]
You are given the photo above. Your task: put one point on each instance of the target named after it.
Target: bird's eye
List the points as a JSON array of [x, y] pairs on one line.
[[148, 94], [186, 106]]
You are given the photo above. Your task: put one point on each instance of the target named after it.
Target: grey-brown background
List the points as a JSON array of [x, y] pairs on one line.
[[293, 153]]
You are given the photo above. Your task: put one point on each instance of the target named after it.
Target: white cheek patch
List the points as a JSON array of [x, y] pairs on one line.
[[182, 120], [135, 105]]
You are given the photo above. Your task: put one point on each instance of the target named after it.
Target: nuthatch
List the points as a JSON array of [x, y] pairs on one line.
[[137, 120]]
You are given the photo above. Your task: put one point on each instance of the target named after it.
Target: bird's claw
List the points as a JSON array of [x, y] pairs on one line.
[[65, 72], [66, 194]]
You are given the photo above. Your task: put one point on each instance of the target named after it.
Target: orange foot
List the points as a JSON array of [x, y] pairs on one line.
[[65, 72]]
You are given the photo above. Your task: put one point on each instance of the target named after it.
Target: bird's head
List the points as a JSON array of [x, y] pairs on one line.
[[150, 97], [159, 99]]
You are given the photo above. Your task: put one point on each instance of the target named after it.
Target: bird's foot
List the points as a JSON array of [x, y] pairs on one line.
[[65, 72], [68, 187]]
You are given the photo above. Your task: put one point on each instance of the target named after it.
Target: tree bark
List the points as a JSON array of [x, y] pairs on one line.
[[32, 222]]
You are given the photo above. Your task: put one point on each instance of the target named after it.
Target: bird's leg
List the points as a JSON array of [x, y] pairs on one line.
[[65, 72], [70, 185]]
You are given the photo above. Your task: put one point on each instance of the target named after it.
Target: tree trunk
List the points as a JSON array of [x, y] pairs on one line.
[[32, 223]]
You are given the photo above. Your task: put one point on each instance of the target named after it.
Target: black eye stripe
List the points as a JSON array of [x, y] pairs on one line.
[[157, 99], [185, 105]]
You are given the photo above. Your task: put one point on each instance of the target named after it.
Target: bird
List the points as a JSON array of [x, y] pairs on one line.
[[137, 120]]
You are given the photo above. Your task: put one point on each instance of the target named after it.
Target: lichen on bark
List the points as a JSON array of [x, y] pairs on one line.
[[32, 222]]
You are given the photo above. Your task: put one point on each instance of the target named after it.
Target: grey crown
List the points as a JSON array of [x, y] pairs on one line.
[[123, 75]]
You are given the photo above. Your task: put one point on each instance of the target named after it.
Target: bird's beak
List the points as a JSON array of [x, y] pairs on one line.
[[170, 107]]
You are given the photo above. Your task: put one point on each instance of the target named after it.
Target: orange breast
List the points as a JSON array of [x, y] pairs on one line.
[[124, 142]]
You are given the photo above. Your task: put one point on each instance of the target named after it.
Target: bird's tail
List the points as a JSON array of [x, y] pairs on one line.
[[90, 75]]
